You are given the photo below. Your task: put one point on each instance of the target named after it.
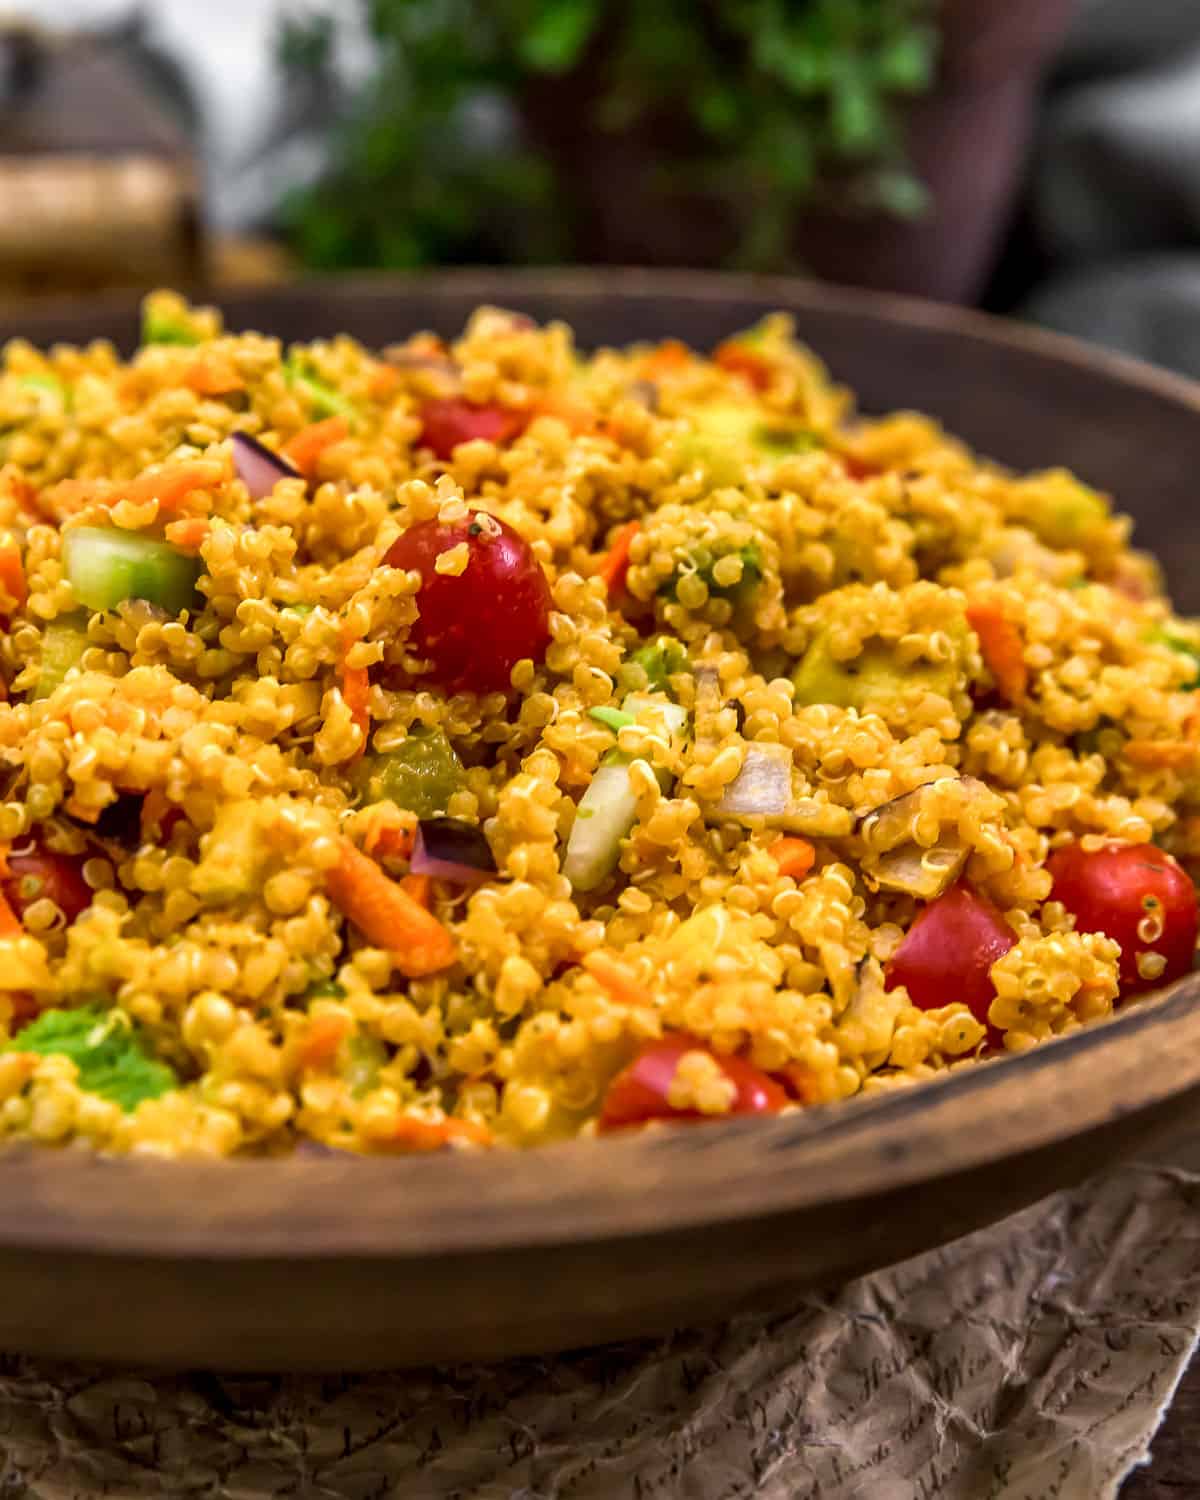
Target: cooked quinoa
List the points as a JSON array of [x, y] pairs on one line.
[[307, 843]]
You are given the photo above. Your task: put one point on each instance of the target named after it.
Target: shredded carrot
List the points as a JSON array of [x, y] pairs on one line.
[[1002, 648], [801, 1082], [12, 571], [574, 416], [305, 448], [356, 690], [411, 1133], [1162, 755], [81, 810], [739, 359], [616, 560], [322, 1038], [670, 355], [10, 923], [189, 535], [383, 382], [617, 978], [858, 468], [214, 375], [171, 485], [390, 832], [793, 856], [419, 887], [387, 915], [66, 497]]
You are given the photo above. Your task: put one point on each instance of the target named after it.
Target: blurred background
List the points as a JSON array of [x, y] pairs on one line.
[[1036, 157]]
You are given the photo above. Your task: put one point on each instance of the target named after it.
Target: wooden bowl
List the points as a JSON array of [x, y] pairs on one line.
[[354, 1263]]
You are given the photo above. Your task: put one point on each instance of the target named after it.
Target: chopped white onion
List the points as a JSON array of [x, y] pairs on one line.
[[763, 787]]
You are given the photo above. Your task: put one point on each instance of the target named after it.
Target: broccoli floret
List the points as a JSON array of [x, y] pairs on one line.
[[1181, 647], [703, 561], [110, 1053], [661, 659], [322, 398]]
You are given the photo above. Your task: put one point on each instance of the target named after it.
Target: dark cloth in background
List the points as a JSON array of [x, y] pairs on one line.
[[1112, 219]]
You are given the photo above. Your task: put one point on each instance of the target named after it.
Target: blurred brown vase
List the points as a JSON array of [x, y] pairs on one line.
[[967, 140]]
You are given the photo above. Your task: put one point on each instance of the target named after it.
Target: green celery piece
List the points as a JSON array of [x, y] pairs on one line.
[[325, 989], [612, 718], [159, 330], [324, 400], [366, 1056], [661, 660], [63, 643], [106, 566], [1181, 647], [110, 1053], [736, 593], [421, 775]]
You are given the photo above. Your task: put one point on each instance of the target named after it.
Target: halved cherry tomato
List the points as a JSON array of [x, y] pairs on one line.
[[1136, 894], [474, 626], [640, 1092], [34, 872], [448, 421], [948, 952]]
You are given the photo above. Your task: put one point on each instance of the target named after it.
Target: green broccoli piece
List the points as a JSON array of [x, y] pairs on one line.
[[704, 560], [159, 328], [321, 397], [106, 1047], [661, 660], [1181, 647]]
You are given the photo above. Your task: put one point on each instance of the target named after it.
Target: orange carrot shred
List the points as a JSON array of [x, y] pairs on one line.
[[214, 375], [189, 535], [304, 450], [323, 1037], [616, 560], [12, 571], [171, 485], [617, 978], [356, 690], [1002, 648], [10, 925], [739, 359], [1162, 755], [419, 887], [390, 832], [670, 355], [383, 382], [793, 856], [414, 1134], [387, 915]]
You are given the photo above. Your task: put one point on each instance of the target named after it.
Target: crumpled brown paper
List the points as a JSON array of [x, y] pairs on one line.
[[1030, 1361]]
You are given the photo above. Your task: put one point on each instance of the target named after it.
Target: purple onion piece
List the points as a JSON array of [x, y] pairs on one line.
[[257, 467], [449, 849]]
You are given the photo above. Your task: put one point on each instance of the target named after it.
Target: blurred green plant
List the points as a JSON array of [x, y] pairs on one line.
[[786, 106]]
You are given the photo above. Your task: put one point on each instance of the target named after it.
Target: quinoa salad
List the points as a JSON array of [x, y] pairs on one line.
[[484, 743]]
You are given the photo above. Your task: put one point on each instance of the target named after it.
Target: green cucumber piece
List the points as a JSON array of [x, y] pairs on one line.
[[106, 566], [63, 643]]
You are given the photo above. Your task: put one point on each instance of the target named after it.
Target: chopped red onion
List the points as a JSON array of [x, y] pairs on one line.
[[257, 467], [449, 849], [763, 787]]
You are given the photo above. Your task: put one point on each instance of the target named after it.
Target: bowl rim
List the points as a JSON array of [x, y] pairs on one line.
[[663, 1180]]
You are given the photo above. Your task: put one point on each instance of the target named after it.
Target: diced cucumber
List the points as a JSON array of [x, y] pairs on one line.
[[605, 814], [106, 566], [322, 398], [63, 643]]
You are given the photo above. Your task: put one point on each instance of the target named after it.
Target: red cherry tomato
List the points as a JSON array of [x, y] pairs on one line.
[[474, 626], [948, 951], [1136, 894], [448, 421], [639, 1093], [35, 872]]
